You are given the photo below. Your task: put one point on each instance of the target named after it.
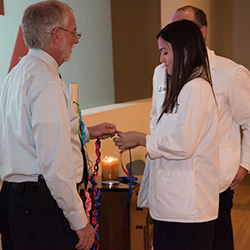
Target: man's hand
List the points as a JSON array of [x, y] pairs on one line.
[[102, 131], [238, 177], [86, 237]]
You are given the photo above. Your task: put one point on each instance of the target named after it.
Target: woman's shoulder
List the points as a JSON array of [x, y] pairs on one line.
[[198, 82], [197, 85]]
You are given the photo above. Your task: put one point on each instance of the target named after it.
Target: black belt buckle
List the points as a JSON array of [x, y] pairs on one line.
[[45, 199]]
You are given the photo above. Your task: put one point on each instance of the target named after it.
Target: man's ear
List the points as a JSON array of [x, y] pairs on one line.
[[55, 35], [204, 31]]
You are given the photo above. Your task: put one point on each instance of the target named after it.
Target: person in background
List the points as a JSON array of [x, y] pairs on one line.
[[231, 84], [180, 182], [40, 151]]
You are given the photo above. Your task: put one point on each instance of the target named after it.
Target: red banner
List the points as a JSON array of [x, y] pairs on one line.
[[20, 49], [1, 8]]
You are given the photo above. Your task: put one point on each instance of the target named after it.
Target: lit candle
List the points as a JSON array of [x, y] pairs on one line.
[[109, 168]]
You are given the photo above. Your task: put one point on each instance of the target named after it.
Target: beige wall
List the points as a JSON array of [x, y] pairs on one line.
[[241, 32], [221, 27], [135, 25], [127, 116]]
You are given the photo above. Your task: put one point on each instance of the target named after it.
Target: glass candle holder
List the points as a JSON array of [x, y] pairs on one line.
[[109, 169]]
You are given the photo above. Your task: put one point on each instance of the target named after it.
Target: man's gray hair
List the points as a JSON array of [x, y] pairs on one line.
[[40, 19]]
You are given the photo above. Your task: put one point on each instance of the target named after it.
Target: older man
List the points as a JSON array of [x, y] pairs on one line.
[[40, 156], [231, 84]]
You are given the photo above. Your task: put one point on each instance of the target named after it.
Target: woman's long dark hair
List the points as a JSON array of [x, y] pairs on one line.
[[190, 59]]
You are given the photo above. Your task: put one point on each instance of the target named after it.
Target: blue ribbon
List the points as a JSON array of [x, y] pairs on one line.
[[131, 181]]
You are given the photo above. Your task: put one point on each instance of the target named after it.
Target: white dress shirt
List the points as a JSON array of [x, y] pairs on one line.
[[39, 132], [183, 167]]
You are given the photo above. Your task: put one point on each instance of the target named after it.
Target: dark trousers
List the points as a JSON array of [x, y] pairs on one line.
[[27, 227], [183, 236], [223, 237], [7, 243]]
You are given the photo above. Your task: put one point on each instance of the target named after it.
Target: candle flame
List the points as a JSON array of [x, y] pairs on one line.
[[109, 158]]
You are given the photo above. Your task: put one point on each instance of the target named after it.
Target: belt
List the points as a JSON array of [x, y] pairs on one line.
[[24, 187]]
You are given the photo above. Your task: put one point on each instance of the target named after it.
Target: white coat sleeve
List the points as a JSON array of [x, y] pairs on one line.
[[239, 99]]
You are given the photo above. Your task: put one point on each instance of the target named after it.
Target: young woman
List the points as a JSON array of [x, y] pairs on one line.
[[181, 180]]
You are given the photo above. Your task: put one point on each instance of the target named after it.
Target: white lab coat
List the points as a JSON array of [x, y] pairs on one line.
[[181, 179]]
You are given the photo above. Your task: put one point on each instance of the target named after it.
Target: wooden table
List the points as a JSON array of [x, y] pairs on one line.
[[122, 225]]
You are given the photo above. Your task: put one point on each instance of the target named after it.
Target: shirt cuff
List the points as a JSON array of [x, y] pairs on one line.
[[78, 221], [246, 166], [87, 136]]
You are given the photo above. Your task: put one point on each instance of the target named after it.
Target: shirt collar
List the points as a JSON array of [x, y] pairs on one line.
[[44, 56], [211, 58]]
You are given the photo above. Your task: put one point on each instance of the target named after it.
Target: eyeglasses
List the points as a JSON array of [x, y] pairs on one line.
[[74, 33]]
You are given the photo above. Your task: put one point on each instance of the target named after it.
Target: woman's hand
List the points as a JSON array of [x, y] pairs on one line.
[[131, 139]]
